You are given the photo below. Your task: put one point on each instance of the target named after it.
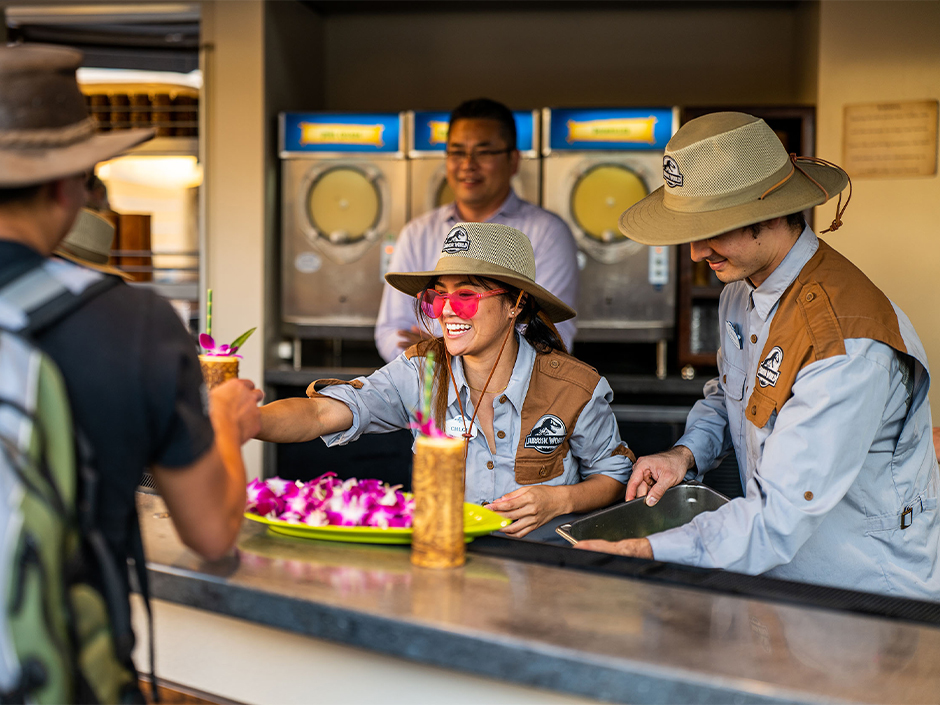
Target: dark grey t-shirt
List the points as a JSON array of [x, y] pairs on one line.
[[134, 384]]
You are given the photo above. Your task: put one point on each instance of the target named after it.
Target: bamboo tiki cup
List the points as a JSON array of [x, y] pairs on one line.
[[217, 369], [437, 482]]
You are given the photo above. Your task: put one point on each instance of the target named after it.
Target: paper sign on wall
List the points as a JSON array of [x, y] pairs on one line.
[[890, 140]]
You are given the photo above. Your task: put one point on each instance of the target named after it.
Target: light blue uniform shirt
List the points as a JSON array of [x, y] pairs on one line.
[[419, 247], [389, 396], [845, 435]]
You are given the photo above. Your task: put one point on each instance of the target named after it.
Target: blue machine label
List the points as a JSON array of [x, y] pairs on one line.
[[341, 132], [610, 129], [430, 131]]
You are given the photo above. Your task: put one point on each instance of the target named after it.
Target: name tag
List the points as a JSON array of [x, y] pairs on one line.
[[455, 428]]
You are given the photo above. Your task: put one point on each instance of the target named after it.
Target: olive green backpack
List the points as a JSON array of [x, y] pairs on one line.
[[62, 640]]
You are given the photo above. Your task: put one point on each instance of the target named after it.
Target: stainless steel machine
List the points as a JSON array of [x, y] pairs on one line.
[[428, 171], [344, 200], [596, 163]]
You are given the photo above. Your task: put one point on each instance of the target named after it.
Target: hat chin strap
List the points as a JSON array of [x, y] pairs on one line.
[[463, 416], [794, 167]]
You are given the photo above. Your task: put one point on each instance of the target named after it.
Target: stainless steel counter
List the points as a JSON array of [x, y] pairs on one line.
[[606, 637]]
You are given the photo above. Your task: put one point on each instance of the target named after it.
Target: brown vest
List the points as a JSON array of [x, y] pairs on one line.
[[559, 389], [830, 300]]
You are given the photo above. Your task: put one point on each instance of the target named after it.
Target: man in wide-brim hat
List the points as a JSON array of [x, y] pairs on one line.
[[130, 367], [822, 381]]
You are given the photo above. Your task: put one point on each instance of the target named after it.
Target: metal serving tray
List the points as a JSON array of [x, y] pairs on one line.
[[634, 520]]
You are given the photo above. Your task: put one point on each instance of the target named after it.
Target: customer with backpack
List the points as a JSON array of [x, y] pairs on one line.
[[132, 379]]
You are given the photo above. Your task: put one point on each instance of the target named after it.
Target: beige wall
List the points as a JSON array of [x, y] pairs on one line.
[[872, 51], [633, 55], [234, 185]]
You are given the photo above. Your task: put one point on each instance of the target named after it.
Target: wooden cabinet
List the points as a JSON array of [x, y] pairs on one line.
[[698, 330]]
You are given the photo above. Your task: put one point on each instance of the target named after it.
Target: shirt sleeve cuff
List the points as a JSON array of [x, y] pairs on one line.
[[702, 450], [361, 416], [676, 546]]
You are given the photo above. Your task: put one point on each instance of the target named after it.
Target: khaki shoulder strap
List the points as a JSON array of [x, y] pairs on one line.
[[829, 301], [312, 388]]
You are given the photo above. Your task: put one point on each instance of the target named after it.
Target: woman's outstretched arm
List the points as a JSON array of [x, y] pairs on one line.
[[297, 419]]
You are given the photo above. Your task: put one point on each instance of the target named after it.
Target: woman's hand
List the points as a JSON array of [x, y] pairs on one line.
[[529, 508]]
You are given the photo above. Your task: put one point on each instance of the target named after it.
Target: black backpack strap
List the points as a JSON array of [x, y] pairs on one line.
[[143, 584]]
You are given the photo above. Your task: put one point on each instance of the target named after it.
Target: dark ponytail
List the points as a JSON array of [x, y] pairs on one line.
[[539, 331]]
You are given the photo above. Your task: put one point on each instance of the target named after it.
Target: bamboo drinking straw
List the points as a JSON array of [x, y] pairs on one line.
[[437, 481], [216, 369]]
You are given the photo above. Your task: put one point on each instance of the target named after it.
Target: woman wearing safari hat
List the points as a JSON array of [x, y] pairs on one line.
[[542, 440], [822, 381]]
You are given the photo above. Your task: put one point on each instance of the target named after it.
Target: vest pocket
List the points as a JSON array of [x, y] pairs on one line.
[[531, 471], [759, 408]]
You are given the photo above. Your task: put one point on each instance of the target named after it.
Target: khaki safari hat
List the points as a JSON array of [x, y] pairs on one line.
[[724, 171], [487, 250], [89, 243], [45, 130]]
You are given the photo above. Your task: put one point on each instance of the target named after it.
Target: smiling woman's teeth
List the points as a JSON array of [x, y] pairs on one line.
[[457, 328]]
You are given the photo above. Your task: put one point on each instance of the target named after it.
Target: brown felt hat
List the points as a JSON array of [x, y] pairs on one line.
[[89, 243], [487, 250], [45, 130], [724, 171]]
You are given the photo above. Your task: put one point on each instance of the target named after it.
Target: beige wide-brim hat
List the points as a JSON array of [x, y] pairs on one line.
[[89, 243], [487, 250], [45, 130], [724, 171]]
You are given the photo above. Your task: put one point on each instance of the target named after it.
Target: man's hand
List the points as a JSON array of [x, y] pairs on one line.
[[528, 507], [635, 548], [415, 335], [236, 401], [654, 474]]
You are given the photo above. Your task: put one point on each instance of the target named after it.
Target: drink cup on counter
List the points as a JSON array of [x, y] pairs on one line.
[[217, 369], [438, 484]]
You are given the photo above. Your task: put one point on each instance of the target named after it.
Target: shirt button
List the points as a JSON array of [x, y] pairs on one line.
[[810, 296], [724, 378], [489, 465], [500, 434], [754, 410], [543, 471], [553, 363], [753, 338], [502, 399], [807, 496]]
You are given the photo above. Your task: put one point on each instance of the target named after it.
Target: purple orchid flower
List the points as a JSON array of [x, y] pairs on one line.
[[208, 344], [328, 500], [426, 426]]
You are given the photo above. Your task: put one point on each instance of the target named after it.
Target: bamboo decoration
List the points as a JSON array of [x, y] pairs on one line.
[[437, 481], [217, 369]]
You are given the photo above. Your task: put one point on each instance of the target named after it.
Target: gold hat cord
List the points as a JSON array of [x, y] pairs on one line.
[[794, 167], [463, 416]]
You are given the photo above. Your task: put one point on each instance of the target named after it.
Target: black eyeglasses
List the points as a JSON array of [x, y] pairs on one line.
[[480, 156]]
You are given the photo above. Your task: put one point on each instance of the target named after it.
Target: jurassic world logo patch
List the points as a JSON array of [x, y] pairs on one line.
[[548, 433], [769, 369], [457, 240], [671, 174]]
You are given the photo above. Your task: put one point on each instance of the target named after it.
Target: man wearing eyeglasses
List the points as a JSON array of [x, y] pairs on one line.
[[481, 160]]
